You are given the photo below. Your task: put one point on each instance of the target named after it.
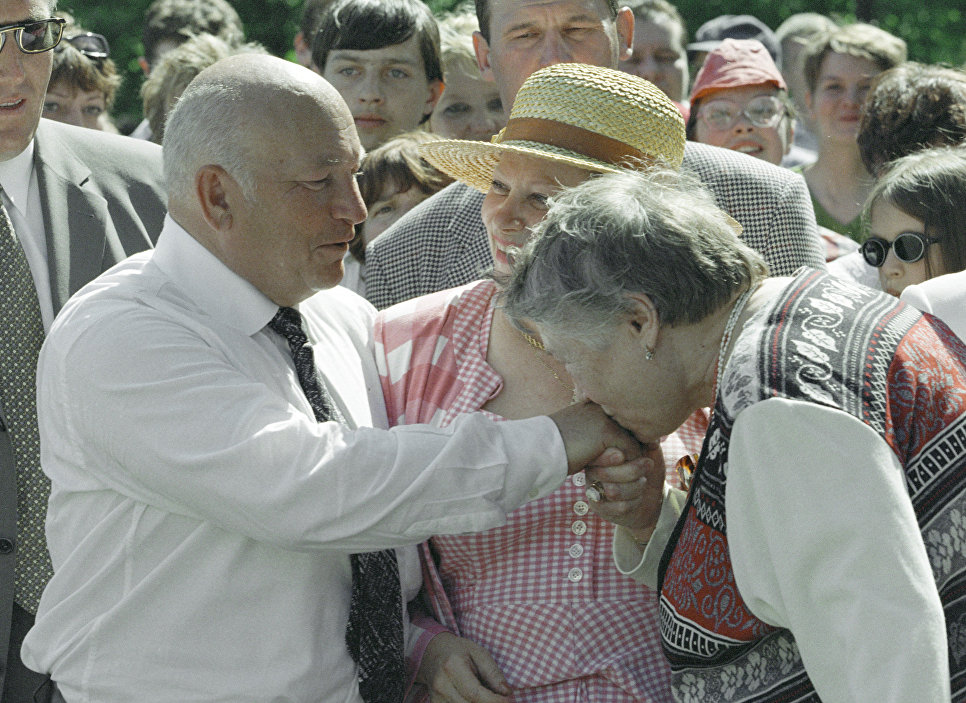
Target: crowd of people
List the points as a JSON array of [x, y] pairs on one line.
[[537, 352]]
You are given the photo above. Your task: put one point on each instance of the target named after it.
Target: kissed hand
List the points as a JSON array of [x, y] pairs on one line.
[[588, 432]]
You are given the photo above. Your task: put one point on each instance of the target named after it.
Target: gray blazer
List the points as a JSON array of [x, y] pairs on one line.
[[103, 199], [441, 243]]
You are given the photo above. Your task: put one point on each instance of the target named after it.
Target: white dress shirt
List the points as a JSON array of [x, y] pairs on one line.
[[201, 520], [942, 296]]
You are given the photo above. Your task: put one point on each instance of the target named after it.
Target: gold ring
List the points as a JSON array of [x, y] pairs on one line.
[[595, 492]]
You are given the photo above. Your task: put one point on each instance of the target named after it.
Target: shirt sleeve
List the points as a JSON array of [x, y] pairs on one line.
[[642, 563], [824, 541], [142, 406]]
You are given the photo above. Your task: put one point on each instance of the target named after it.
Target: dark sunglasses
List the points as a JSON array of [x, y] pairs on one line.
[[908, 246], [36, 36], [93, 46]]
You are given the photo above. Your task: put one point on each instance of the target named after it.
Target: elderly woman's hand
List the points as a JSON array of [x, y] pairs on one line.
[[631, 492]]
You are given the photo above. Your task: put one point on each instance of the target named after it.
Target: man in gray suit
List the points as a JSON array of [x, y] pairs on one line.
[[442, 243], [75, 201]]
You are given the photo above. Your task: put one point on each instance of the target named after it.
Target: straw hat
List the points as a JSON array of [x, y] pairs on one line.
[[590, 117]]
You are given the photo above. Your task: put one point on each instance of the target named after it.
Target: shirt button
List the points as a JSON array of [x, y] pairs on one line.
[[575, 574], [6, 546], [533, 494], [579, 527], [575, 550], [580, 479], [581, 507]]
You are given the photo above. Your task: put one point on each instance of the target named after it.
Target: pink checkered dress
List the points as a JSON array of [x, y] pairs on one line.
[[541, 594]]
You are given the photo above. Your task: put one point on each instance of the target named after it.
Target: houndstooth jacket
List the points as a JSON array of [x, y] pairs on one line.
[[441, 243]]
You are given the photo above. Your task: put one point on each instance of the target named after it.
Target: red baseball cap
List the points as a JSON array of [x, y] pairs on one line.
[[736, 63]]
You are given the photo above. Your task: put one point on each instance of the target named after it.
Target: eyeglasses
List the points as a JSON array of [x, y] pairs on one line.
[[908, 246], [36, 36], [763, 111], [93, 46]]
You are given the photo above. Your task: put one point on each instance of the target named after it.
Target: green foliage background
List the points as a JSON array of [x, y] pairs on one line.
[[935, 30]]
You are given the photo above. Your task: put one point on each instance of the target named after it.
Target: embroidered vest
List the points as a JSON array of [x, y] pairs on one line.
[[843, 346]]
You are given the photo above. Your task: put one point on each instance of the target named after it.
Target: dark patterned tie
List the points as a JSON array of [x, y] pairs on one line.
[[374, 634], [21, 334]]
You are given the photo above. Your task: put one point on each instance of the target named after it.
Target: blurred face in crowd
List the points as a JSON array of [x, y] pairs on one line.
[[470, 108], [887, 222], [527, 35], [23, 79], [391, 205], [659, 56], [386, 89], [727, 118], [73, 105], [517, 200], [836, 103]]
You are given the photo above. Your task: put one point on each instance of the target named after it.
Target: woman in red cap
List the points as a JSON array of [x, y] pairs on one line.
[[740, 102]]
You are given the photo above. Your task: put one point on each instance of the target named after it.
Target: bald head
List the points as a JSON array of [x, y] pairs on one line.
[[234, 110]]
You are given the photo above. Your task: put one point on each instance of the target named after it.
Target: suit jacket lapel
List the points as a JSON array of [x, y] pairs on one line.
[[76, 217]]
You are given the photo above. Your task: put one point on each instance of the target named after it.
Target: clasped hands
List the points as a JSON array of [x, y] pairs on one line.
[[628, 474]]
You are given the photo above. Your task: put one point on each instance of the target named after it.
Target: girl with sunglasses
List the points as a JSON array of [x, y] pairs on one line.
[[916, 214]]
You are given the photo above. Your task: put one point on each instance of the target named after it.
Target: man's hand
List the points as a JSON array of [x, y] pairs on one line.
[[588, 432], [632, 491], [457, 670]]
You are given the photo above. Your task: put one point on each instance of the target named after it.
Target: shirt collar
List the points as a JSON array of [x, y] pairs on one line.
[[15, 177], [209, 283]]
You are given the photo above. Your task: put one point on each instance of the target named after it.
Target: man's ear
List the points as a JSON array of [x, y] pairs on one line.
[[625, 33], [482, 48], [212, 188], [145, 66]]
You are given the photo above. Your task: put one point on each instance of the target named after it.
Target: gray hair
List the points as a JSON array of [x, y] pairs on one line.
[[657, 233], [177, 68], [203, 129]]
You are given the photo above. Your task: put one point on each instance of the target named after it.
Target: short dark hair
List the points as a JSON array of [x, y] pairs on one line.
[[364, 25], [178, 20], [859, 39], [397, 164], [930, 185], [312, 13], [911, 107], [483, 15]]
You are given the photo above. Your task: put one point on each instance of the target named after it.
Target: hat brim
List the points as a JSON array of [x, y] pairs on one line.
[[473, 162]]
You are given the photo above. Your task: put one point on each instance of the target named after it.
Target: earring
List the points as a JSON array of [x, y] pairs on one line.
[[648, 353]]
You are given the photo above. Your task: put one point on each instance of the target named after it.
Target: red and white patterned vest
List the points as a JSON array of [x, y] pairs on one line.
[[901, 373]]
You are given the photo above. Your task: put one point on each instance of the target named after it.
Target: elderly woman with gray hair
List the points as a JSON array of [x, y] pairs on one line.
[[820, 551]]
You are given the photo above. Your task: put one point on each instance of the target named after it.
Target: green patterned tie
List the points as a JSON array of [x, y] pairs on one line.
[[21, 334]]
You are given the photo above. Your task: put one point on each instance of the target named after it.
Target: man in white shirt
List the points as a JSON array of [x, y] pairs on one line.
[[202, 519]]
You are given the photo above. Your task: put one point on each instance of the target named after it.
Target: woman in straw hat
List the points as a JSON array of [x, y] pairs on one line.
[[540, 595]]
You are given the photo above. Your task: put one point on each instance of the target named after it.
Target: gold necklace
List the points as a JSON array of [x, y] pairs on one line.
[[539, 350]]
